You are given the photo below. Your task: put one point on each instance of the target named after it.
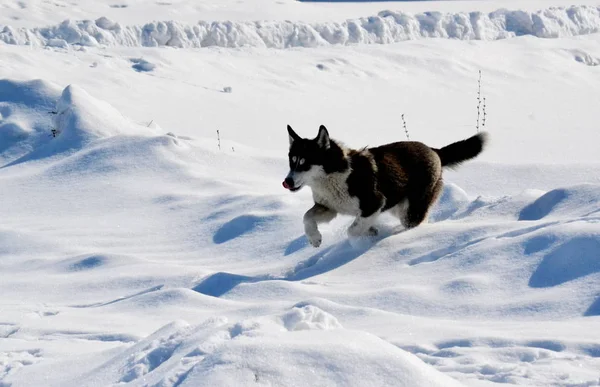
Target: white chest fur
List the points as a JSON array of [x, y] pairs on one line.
[[332, 191]]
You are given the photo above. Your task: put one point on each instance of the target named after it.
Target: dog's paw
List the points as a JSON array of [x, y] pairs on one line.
[[315, 239], [355, 232], [372, 231]]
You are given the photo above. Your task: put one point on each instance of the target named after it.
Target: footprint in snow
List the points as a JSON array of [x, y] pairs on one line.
[[142, 65]]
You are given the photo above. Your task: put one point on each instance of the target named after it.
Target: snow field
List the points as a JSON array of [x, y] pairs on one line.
[[365, 297], [135, 252]]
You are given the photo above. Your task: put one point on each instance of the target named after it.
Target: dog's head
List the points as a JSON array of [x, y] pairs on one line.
[[307, 158]]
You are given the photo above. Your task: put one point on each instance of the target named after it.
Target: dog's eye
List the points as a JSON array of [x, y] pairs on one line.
[[301, 161], [294, 159]]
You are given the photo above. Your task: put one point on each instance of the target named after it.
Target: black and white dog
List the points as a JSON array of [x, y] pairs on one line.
[[404, 178]]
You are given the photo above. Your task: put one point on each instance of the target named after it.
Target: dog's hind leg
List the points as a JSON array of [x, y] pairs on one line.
[[363, 226], [317, 214], [420, 202]]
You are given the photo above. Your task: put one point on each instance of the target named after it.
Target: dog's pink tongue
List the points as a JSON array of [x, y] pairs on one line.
[[286, 185]]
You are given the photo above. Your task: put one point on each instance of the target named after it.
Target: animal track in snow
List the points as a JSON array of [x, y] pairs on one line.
[[586, 59], [8, 329], [11, 362], [501, 360], [142, 65]]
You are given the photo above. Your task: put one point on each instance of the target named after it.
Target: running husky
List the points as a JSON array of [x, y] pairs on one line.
[[404, 178]]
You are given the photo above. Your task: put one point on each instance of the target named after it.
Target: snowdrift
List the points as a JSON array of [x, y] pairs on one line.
[[386, 27], [25, 116], [112, 230], [38, 123], [299, 347]]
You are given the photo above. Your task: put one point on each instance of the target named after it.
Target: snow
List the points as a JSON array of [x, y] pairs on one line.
[[385, 27], [41, 13], [136, 251]]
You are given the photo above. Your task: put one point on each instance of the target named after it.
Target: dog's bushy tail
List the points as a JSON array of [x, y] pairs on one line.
[[456, 153]]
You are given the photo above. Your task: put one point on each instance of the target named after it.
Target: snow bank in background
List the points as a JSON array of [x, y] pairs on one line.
[[386, 27]]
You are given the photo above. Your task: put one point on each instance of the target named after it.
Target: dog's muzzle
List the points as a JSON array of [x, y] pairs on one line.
[[288, 183]]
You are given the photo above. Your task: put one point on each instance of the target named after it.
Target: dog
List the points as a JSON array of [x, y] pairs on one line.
[[404, 178]]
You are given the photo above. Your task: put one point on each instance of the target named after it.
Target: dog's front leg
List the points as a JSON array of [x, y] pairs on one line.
[[363, 226], [317, 214]]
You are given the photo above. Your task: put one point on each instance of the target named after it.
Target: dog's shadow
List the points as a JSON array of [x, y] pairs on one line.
[[325, 260], [296, 245], [338, 254]]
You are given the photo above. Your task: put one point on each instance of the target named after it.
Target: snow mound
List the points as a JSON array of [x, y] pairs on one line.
[[267, 350], [81, 118], [564, 202], [295, 359], [309, 317], [385, 27], [25, 116], [78, 120], [451, 200]]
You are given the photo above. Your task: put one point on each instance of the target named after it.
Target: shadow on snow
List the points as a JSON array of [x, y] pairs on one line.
[[326, 260]]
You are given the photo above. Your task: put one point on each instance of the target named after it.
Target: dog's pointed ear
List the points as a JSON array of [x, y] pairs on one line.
[[293, 135], [323, 137]]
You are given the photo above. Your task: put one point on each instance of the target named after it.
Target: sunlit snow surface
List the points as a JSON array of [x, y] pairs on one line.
[[135, 251]]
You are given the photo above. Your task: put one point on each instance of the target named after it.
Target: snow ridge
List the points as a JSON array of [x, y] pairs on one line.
[[386, 27]]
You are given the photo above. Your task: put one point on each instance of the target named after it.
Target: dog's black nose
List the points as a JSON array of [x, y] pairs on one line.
[[288, 183]]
